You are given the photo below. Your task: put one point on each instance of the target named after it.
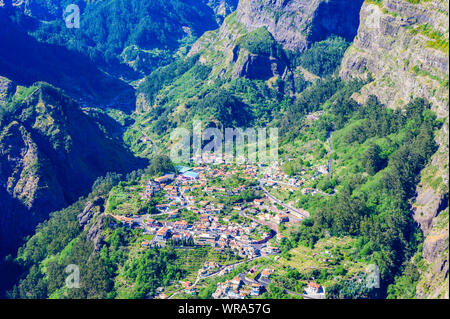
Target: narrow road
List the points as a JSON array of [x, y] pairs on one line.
[[330, 161], [146, 139], [281, 183], [299, 213]]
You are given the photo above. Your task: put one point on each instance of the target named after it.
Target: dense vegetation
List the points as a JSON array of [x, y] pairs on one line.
[[379, 152], [151, 31], [261, 42], [25, 60], [323, 57], [61, 241], [375, 209]]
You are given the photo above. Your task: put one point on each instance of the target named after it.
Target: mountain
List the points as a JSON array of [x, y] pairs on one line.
[[51, 152], [269, 48], [25, 60], [127, 38], [358, 89], [404, 46], [294, 25], [222, 8]]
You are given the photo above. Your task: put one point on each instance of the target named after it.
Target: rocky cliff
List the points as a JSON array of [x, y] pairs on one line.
[[297, 23], [402, 48], [271, 25], [222, 8]]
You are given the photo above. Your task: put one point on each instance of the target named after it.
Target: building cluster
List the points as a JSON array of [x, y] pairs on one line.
[[175, 195], [274, 177]]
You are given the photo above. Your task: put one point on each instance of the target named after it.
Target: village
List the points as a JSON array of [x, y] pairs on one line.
[[193, 209]]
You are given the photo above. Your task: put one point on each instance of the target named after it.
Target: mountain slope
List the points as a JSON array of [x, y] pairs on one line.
[[50, 154], [256, 62], [25, 60], [403, 47], [382, 178], [124, 36]]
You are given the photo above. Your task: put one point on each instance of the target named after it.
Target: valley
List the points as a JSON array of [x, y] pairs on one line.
[[355, 206]]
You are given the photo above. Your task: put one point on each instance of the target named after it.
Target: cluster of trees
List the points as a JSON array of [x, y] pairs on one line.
[[324, 57], [151, 269], [225, 108], [377, 210], [372, 160], [60, 231], [261, 42]]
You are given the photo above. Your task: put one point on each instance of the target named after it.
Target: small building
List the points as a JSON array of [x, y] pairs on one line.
[[281, 218], [313, 288], [190, 175], [237, 282], [163, 234]]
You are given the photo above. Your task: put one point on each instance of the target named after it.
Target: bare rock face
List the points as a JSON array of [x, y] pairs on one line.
[[392, 46], [297, 23], [89, 211], [403, 48]]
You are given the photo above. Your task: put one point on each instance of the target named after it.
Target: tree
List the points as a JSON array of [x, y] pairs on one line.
[[372, 160], [160, 164]]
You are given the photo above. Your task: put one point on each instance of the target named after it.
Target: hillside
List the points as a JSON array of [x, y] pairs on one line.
[[358, 91], [25, 60], [124, 36], [248, 68], [51, 153], [404, 46]]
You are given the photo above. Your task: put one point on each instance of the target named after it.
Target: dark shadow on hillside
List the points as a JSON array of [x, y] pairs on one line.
[[25, 60], [336, 17]]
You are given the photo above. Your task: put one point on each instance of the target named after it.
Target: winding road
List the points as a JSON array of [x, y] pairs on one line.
[[298, 213], [146, 139]]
